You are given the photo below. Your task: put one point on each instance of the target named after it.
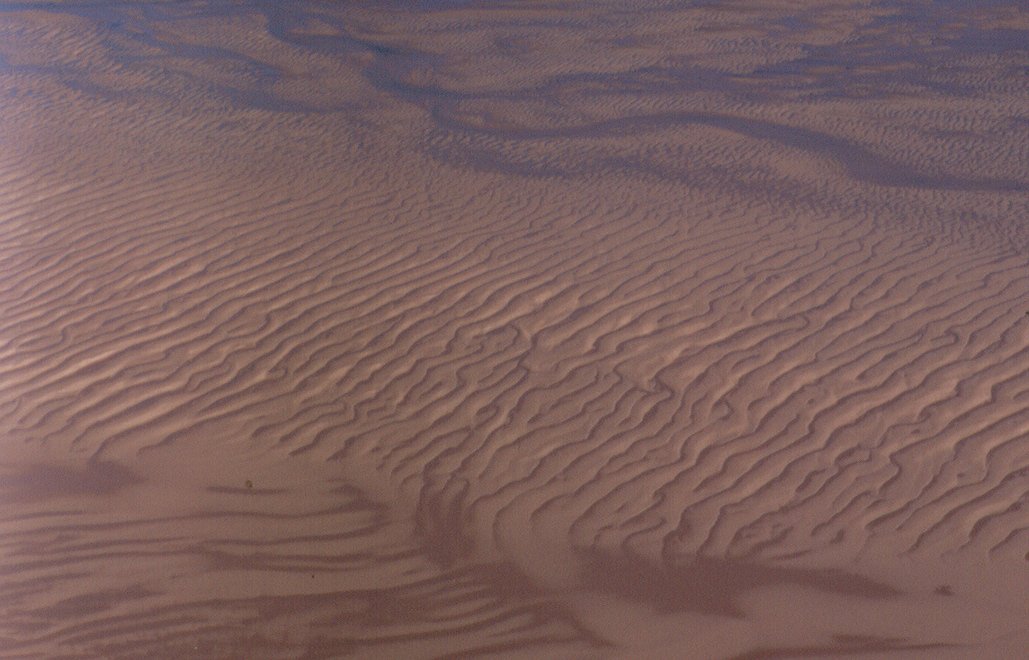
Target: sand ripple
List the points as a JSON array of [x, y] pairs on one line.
[[558, 330]]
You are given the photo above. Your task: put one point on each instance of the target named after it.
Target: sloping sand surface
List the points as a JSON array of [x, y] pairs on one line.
[[516, 329]]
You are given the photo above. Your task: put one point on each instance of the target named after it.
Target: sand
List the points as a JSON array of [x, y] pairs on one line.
[[521, 329]]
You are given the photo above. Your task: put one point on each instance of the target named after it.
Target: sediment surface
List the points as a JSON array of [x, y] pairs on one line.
[[544, 329]]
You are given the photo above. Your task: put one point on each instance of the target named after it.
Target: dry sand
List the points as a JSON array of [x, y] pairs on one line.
[[578, 329]]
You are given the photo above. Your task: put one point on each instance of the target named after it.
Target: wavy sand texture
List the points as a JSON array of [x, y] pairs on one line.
[[593, 329]]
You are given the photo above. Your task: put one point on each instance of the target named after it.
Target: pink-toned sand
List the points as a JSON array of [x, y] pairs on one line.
[[571, 329]]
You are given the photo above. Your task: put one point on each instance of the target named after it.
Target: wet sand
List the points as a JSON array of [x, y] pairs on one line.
[[468, 329]]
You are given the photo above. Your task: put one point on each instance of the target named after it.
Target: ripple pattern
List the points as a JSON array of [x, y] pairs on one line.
[[461, 329]]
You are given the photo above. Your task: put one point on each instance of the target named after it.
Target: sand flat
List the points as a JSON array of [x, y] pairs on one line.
[[468, 329]]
